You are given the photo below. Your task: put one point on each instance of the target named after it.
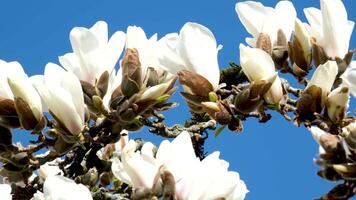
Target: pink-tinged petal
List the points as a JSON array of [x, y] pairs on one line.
[[71, 62]]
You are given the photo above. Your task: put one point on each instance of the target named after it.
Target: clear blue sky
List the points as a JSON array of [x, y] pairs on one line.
[[274, 159]]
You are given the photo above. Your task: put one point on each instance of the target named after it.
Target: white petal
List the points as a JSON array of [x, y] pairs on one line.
[[256, 69], [100, 30], [315, 20], [324, 77], [71, 62], [349, 77], [62, 188], [200, 48], [335, 25], [169, 56], [83, 40], [252, 15], [5, 192], [286, 15]]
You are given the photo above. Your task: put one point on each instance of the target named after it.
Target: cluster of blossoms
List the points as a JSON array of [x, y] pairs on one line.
[[88, 91], [83, 109]]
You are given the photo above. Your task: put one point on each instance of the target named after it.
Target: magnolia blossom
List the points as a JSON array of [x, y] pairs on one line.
[[324, 77], [330, 27], [14, 83], [5, 192], [258, 18], [258, 65], [302, 36], [195, 179], [194, 49], [62, 188], [63, 95], [349, 78], [93, 52]]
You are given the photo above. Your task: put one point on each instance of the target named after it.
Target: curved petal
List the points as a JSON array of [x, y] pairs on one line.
[[286, 15], [256, 69], [252, 15], [335, 28], [200, 48], [71, 62], [315, 20], [349, 77], [324, 77], [100, 30]]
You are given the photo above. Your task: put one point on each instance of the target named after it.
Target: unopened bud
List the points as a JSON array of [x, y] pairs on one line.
[[7, 107], [252, 97], [217, 111], [131, 73], [102, 84], [301, 47], [151, 78], [319, 55], [310, 102], [27, 119], [196, 83]]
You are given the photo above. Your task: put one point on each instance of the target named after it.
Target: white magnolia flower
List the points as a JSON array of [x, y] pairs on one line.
[[258, 65], [258, 18], [349, 78], [14, 83], [330, 27], [195, 179], [63, 95], [5, 192], [137, 169], [338, 103], [93, 52], [324, 77], [49, 169], [194, 49], [62, 188]]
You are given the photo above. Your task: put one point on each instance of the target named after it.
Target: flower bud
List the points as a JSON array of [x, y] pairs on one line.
[[309, 102], [195, 83], [301, 46], [131, 73], [27, 102], [217, 111], [319, 55], [252, 97], [102, 84], [338, 103]]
